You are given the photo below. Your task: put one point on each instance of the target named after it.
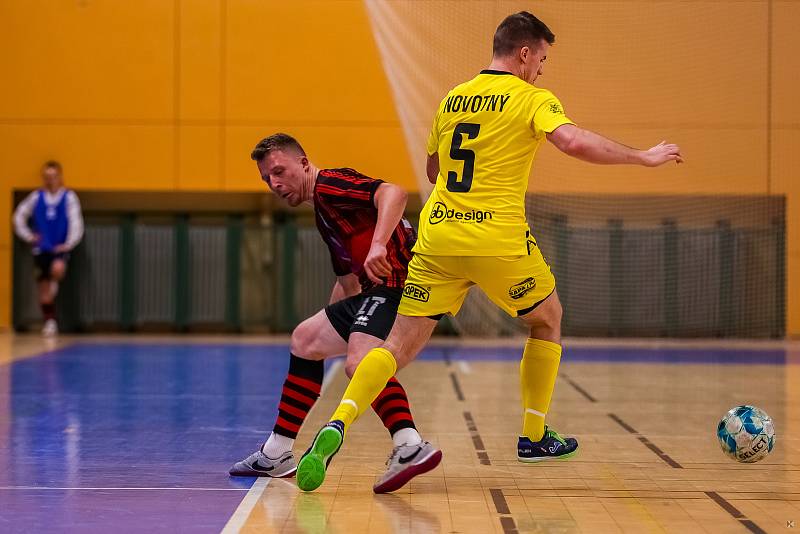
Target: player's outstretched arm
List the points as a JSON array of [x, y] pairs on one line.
[[391, 203], [594, 148]]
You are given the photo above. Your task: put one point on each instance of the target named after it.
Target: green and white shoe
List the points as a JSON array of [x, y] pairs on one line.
[[314, 463]]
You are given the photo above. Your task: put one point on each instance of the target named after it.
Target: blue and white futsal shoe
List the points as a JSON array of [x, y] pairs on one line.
[[551, 447]]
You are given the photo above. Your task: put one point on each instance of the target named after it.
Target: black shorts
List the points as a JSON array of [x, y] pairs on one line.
[[372, 312], [43, 262]]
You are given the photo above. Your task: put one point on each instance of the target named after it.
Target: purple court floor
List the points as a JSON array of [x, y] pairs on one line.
[[132, 437]]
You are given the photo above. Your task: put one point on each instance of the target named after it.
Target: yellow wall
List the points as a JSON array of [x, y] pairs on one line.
[[719, 78], [160, 95], [785, 140]]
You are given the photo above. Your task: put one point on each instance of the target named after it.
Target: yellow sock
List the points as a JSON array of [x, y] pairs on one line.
[[537, 373], [371, 375]]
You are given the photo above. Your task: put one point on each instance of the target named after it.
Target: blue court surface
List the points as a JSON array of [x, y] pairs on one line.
[[139, 437]]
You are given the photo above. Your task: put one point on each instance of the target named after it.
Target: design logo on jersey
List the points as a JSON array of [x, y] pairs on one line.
[[415, 292], [517, 291], [556, 108], [439, 213]]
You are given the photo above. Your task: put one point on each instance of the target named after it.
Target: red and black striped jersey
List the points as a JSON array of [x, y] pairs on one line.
[[346, 216]]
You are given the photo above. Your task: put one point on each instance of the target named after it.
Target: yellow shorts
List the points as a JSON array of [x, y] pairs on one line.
[[438, 284]]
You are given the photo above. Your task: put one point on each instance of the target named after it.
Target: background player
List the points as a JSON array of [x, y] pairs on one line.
[[50, 220], [473, 230], [361, 221]]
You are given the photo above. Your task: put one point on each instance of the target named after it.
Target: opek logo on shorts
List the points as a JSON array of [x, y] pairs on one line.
[[439, 213], [517, 291], [415, 292]]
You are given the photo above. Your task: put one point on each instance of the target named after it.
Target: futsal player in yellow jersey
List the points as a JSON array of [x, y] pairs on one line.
[[473, 230]]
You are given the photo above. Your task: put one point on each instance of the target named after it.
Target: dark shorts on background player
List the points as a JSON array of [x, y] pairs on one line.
[[43, 262], [372, 312]]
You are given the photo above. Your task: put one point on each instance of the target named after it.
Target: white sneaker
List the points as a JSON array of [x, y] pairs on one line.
[[50, 328], [259, 464], [406, 462]]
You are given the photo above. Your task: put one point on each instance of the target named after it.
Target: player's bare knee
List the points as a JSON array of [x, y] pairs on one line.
[[57, 270], [551, 319], [554, 314], [547, 315], [304, 343]]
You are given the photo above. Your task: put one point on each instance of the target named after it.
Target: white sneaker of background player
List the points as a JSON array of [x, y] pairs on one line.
[[50, 328]]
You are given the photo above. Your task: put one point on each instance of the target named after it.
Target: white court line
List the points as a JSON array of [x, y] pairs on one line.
[[62, 488], [239, 517], [237, 520]]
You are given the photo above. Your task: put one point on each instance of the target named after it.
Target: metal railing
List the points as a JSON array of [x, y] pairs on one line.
[[245, 272]]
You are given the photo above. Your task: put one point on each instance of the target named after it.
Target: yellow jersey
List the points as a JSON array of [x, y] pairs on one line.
[[486, 132]]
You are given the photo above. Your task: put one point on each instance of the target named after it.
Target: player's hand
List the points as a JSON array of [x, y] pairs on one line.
[[35, 239], [61, 249], [376, 265], [662, 153]]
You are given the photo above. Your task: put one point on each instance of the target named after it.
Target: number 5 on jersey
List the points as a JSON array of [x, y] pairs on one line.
[[455, 185]]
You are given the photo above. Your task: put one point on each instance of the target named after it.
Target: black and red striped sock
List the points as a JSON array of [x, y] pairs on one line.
[[300, 391], [392, 407]]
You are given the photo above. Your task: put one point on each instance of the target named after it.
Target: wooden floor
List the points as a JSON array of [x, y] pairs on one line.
[[645, 415]]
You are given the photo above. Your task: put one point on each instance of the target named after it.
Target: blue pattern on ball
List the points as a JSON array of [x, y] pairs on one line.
[[725, 439], [752, 426], [742, 434]]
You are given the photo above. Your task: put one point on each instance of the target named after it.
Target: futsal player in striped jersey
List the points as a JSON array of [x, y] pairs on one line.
[[361, 221], [473, 231]]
